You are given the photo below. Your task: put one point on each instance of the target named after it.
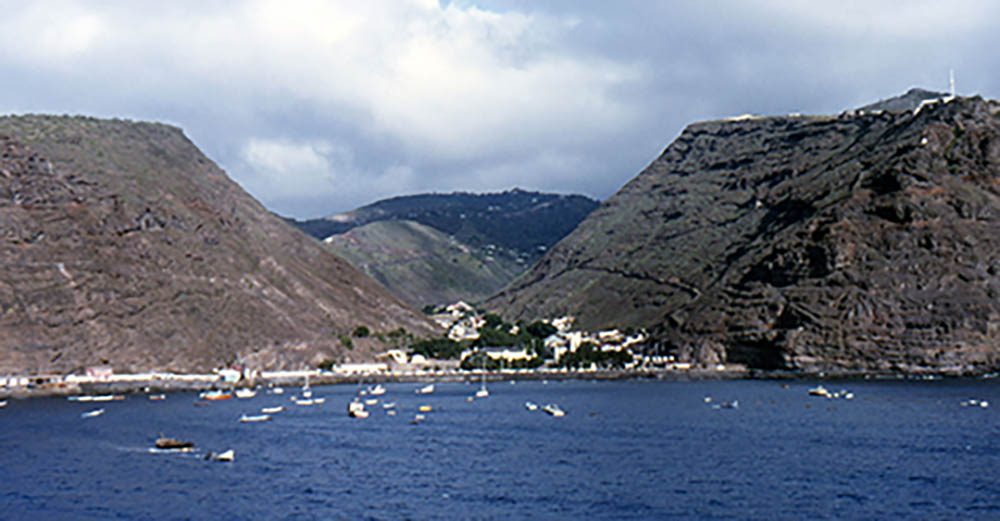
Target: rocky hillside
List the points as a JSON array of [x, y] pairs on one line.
[[423, 266], [121, 243], [866, 241]]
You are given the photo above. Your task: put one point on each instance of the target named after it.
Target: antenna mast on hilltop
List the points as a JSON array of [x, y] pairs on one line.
[[951, 82]]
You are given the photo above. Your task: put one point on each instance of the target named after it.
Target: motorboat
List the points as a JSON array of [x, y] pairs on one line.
[[92, 414], [819, 390], [272, 410], [165, 443], [157, 397], [278, 390], [427, 389], [531, 406], [378, 390], [303, 401], [425, 408], [554, 410], [214, 396], [371, 401], [245, 393], [483, 393], [3, 403], [356, 409], [735, 404], [417, 419], [389, 405], [255, 418], [318, 401]]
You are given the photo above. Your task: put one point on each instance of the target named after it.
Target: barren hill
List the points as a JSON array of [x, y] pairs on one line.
[[423, 266], [121, 243], [865, 241]]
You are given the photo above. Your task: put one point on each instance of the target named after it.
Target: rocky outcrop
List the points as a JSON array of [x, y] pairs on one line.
[[121, 243], [869, 241]]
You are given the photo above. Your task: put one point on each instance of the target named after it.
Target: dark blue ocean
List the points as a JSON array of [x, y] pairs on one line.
[[625, 450]]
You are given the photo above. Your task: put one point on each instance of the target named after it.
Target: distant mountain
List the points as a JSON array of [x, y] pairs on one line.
[[423, 266], [516, 220], [121, 243], [457, 246], [868, 241]]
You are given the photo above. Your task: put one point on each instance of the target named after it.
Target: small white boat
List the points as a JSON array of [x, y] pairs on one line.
[[306, 390], [418, 418], [255, 418], [92, 414], [226, 456], [389, 405], [819, 390], [303, 401], [390, 412], [427, 389], [371, 401], [378, 390], [245, 393], [318, 401], [277, 390], [483, 393], [554, 410], [531, 406], [272, 410], [356, 409], [157, 397], [3, 403]]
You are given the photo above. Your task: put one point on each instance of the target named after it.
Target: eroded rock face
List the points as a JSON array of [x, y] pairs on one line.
[[121, 242], [857, 243]]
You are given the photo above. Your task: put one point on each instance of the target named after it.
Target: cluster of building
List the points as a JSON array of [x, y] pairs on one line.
[[463, 323]]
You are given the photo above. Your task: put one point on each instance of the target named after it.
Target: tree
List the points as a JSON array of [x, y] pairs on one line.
[[361, 332], [539, 329]]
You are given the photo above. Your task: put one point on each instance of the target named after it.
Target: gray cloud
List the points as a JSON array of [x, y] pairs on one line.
[[318, 107]]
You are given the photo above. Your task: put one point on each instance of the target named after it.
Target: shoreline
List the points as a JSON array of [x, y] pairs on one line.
[[197, 383]]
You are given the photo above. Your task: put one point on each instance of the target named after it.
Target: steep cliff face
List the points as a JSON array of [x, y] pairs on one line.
[[121, 242], [868, 241]]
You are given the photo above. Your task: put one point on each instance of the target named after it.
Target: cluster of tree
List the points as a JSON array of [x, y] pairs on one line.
[[588, 354], [494, 333], [497, 333], [440, 348], [481, 360]]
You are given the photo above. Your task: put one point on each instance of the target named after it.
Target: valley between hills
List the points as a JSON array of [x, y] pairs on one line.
[[858, 243]]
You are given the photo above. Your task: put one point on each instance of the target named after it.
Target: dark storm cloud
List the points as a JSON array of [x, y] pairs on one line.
[[317, 107]]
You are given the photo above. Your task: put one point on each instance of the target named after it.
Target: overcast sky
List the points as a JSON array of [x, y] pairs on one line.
[[319, 107]]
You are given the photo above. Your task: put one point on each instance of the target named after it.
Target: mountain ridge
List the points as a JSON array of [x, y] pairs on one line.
[[777, 242]]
